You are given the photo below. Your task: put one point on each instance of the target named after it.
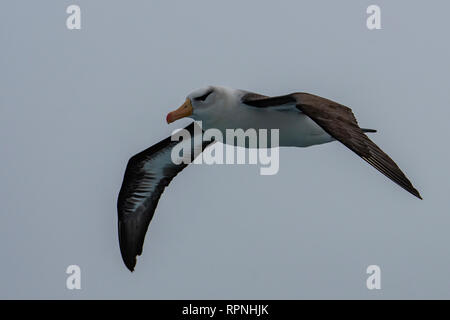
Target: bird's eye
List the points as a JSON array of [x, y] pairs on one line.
[[203, 97]]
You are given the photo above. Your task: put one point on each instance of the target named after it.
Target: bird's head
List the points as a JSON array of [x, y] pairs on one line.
[[202, 104]]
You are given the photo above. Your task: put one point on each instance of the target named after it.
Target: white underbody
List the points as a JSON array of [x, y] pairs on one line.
[[295, 128]]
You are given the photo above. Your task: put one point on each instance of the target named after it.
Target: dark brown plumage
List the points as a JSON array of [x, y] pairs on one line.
[[339, 122]]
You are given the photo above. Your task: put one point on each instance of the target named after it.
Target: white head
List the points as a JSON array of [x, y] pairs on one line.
[[204, 104]]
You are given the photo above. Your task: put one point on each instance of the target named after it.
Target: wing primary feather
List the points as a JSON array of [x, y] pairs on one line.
[[146, 176], [339, 122]]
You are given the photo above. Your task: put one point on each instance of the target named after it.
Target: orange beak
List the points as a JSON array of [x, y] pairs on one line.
[[184, 111]]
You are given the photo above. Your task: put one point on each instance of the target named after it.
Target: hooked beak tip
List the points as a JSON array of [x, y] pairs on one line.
[[184, 111]]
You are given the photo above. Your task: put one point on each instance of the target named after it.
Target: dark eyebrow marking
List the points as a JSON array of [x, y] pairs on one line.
[[203, 97]]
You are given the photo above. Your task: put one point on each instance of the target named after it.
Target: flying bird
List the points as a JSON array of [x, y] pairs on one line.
[[303, 120]]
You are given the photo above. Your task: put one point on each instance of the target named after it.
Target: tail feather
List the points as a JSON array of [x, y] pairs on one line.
[[368, 130]]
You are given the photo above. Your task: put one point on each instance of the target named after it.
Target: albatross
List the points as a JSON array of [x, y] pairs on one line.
[[303, 120]]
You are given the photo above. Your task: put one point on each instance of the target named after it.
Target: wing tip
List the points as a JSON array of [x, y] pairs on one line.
[[129, 261], [416, 193], [130, 264], [403, 183], [127, 251]]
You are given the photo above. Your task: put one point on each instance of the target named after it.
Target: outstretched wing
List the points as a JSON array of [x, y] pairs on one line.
[[339, 122], [146, 176]]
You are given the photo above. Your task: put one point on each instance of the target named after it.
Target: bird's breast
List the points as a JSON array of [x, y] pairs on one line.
[[295, 129]]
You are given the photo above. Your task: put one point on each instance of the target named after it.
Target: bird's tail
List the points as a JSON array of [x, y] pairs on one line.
[[368, 130]]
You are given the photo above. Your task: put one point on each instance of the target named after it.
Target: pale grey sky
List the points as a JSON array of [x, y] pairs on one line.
[[76, 105]]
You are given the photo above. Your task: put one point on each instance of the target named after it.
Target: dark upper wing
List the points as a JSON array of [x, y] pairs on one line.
[[146, 176], [339, 122]]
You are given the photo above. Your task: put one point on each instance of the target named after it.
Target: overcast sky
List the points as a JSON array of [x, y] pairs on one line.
[[77, 104]]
